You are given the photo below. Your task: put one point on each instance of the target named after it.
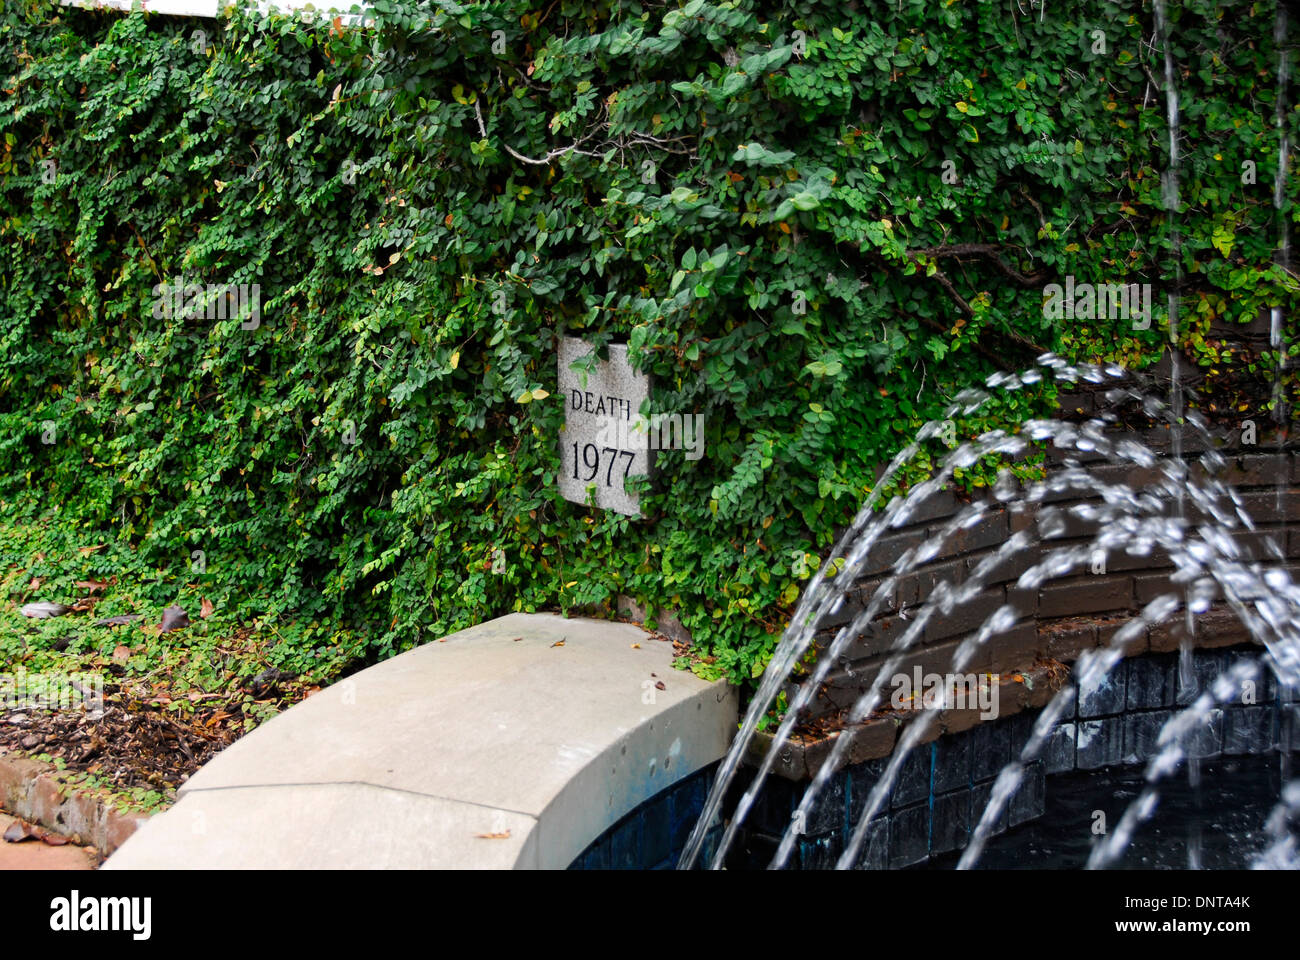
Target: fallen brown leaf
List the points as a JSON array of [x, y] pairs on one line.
[[558, 643], [205, 608], [87, 551], [117, 621], [94, 586], [121, 652], [504, 835], [173, 618], [659, 685]]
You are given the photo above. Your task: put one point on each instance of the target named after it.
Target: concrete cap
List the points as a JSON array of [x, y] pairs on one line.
[[545, 728]]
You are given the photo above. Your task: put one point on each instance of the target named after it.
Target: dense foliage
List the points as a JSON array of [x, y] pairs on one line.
[[812, 222]]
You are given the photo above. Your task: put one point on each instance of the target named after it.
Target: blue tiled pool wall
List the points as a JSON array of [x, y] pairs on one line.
[[943, 787], [653, 836]]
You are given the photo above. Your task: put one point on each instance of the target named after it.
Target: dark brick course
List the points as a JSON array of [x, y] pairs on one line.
[[943, 786], [1087, 594]]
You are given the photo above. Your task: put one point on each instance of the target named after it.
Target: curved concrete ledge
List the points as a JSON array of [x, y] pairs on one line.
[[512, 744]]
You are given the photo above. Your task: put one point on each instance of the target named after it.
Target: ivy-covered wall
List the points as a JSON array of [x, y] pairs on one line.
[[813, 223]]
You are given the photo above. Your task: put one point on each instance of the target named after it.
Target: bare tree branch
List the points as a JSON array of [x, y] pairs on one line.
[[678, 145], [989, 251]]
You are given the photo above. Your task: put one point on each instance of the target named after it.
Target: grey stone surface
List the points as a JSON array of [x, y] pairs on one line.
[[328, 826], [599, 446], [863, 778], [980, 796], [952, 762], [913, 781], [1150, 682], [1058, 750], [1028, 801], [874, 854], [183, 8], [1020, 728], [828, 807], [1286, 731], [549, 728], [1247, 729], [1141, 733], [1207, 739], [1264, 688], [1207, 665], [774, 805], [1100, 742], [990, 749], [1103, 696], [950, 822], [909, 835]]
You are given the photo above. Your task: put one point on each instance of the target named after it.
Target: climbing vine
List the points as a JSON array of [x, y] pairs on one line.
[[812, 223]]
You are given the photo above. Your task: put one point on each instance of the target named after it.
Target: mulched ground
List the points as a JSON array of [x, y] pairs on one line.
[[133, 744]]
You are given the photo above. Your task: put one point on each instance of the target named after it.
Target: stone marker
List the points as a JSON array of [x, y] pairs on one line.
[[600, 445]]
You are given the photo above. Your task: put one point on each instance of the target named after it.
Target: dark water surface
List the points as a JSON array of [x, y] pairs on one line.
[[1218, 825]]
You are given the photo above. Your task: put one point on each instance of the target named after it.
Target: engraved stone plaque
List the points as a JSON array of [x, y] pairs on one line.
[[603, 441]]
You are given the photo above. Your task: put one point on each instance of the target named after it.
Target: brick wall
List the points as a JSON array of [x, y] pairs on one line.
[[943, 786], [1065, 616]]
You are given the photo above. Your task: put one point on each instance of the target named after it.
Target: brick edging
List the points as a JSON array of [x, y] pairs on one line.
[[36, 792], [801, 760]]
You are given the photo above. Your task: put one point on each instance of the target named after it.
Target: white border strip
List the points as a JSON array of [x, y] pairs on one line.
[[212, 8]]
